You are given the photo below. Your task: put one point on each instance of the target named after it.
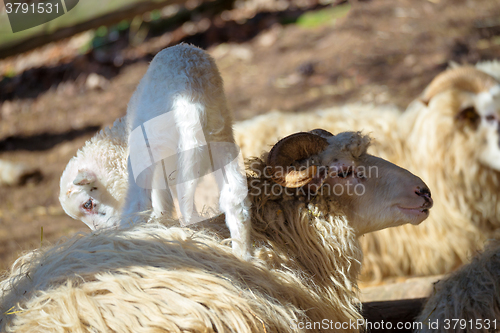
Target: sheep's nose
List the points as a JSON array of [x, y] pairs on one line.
[[425, 193]]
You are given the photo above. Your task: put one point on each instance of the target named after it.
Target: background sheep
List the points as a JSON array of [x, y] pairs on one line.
[[181, 107], [306, 253], [471, 295], [449, 137]]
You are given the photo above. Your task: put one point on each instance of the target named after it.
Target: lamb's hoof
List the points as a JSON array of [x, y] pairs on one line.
[[242, 252]]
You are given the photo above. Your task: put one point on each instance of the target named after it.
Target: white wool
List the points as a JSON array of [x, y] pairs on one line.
[[149, 278]]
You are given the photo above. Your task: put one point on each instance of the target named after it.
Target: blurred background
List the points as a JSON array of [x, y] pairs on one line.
[[62, 81]]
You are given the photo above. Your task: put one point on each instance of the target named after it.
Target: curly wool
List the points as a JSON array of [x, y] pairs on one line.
[[149, 278], [319, 230], [471, 294]]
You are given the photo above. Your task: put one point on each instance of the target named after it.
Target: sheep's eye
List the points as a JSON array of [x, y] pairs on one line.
[[88, 205], [345, 173], [490, 118]]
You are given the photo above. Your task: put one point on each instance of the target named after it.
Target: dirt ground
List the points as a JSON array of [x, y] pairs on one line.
[[380, 52]]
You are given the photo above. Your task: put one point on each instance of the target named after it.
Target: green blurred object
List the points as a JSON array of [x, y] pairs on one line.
[[123, 25], [327, 16], [101, 31], [155, 15], [10, 72]]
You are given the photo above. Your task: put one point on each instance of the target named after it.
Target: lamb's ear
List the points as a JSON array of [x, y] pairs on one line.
[[85, 177]]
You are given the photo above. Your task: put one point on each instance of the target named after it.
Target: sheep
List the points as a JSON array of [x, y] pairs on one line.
[[449, 136], [312, 195], [181, 107], [469, 299]]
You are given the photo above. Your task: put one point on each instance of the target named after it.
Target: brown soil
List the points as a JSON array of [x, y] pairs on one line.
[[381, 52]]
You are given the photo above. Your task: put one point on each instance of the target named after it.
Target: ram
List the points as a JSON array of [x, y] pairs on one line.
[[311, 197]]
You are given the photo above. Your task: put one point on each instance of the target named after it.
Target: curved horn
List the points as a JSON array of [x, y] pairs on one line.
[[321, 132], [292, 148], [465, 78]]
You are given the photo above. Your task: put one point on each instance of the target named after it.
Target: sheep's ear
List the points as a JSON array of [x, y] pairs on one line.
[[468, 114], [358, 145], [85, 177]]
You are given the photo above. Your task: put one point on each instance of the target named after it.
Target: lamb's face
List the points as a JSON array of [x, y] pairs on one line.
[[374, 193], [84, 197]]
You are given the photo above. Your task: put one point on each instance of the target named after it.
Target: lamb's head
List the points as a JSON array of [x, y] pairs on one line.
[[373, 193], [472, 99], [84, 196], [95, 181]]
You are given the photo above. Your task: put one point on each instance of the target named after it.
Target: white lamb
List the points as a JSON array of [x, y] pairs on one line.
[[311, 196], [450, 137], [177, 116]]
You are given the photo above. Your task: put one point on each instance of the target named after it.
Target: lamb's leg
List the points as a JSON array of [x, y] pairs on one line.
[[138, 200], [235, 203], [186, 190], [161, 198], [191, 153]]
